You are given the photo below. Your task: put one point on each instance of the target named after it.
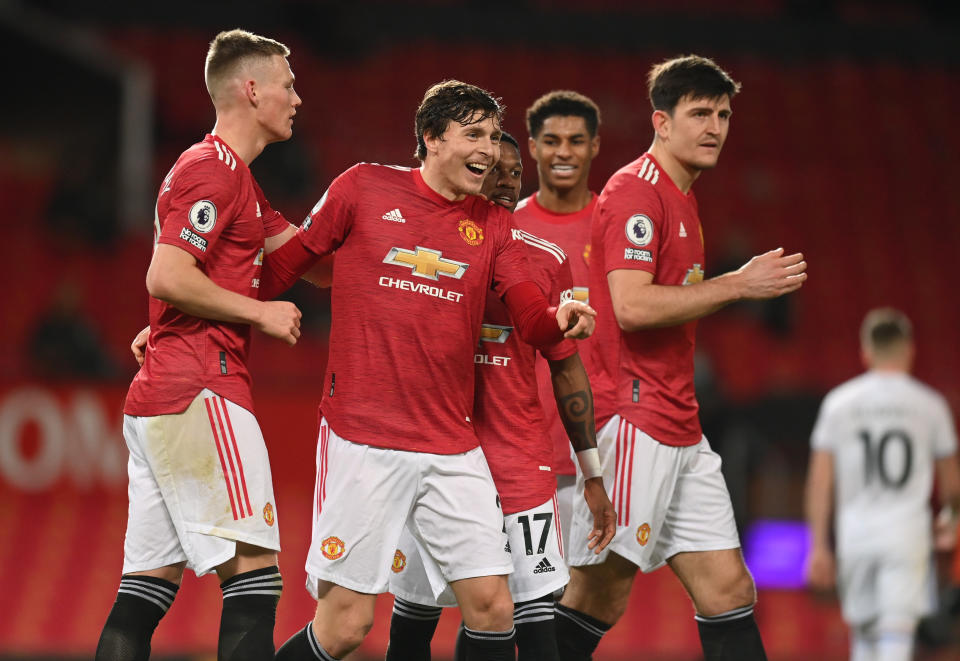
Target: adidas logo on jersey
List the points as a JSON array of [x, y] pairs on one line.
[[543, 567], [395, 216], [683, 230]]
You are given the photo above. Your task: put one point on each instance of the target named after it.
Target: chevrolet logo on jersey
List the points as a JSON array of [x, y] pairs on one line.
[[426, 263], [494, 333], [694, 275]]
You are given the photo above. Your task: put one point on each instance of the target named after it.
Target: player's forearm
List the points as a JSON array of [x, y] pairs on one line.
[[284, 266], [571, 389], [189, 290], [655, 306], [948, 483], [818, 498]]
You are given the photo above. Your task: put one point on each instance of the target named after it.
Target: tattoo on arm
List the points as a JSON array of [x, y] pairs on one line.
[[576, 412]]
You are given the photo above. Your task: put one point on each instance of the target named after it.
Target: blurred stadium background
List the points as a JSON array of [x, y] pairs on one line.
[[844, 146]]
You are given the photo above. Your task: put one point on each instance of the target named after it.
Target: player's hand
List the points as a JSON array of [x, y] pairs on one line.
[[139, 345], [772, 274], [822, 570], [945, 530], [604, 516], [577, 320], [280, 319]]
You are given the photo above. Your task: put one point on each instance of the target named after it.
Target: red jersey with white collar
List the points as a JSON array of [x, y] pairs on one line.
[[570, 231], [410, 282], [210, 206], [509, 417], [644, 222]]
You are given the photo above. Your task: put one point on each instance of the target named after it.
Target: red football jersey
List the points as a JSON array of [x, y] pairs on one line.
[[409, 286], [210, 206], [509, 417], [570, 231], [643, 221]]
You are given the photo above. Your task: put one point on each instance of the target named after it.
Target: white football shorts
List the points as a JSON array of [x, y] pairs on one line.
[[535, 547], [892, 585], [668, 500], [566, 493], [199, 482], [364, 497]]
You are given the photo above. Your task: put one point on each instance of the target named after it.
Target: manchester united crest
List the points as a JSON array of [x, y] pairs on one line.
[[332, 548], [643, 534], [399, 562], [470, 232], [268, 514]]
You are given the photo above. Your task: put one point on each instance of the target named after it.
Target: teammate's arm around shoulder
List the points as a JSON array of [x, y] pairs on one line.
[[571, 389], [639, 303], [175, 278]]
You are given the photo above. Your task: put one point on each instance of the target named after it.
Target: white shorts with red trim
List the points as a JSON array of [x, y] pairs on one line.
[[536, 548], [668, 500], [566, 493], [364, 497], [199, 482]]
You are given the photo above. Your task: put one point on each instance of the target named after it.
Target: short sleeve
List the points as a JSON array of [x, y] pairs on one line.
[[824, 433], [201, 204], [631, 219], [330, 220], [510, 265], [561, 290], [273, 221], [944, 431]]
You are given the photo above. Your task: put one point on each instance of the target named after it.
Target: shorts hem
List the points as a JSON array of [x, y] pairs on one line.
[[229, 535], [313, 576], [545, 590], [130, 568], [500, 570], [418, 599]]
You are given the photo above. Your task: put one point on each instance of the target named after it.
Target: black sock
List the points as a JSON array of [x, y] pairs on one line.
[[578, 634], [490, 645], [460, 648], [303, 646], [141, 602], [411, 630], [249, 613], [731, 636], [536, 630]]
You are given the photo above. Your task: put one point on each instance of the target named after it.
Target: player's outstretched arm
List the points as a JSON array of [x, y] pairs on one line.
[[175, 278], [571, 388], [638, 303], [540, 325], [818, 503]]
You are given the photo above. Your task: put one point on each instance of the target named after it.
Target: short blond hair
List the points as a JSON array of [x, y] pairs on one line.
[[884, 330], [230, 49]]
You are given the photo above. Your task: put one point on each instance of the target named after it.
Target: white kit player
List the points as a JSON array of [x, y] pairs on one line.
[[879, 441], [512, 428], [417, 250]]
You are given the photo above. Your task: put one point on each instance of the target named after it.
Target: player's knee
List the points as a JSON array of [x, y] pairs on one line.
[[601, 591], [489, 610], [724, 596], [346, 634]]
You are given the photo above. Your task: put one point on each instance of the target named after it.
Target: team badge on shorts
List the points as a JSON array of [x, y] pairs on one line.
[[639, 229], [268, 514], [203, 216], [643, 534], [332, 548], [399, 562], [470, 232]]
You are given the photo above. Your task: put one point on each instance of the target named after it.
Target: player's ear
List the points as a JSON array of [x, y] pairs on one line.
[[661, 123], [431, 141], [594, 146], [249, 89], [532, 146]]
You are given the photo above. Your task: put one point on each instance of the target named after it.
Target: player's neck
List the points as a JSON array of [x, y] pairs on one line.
[[682, 175], [246, 143], [564, 200], [441, 185]]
